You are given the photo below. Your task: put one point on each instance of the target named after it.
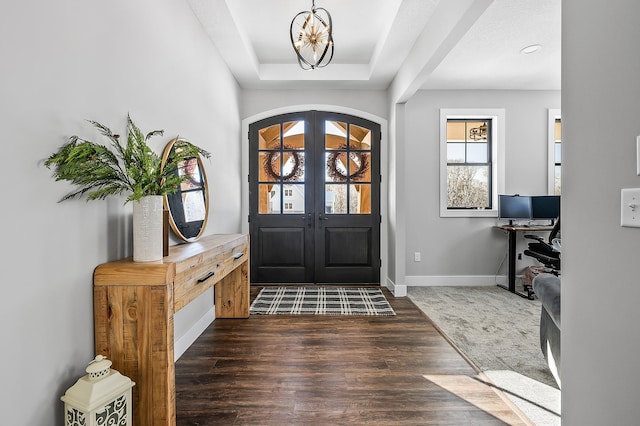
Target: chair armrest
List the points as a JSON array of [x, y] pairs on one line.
[[547, 288], [534, 237]]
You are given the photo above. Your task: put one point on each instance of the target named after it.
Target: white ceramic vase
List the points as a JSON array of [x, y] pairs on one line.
[[147, 229]]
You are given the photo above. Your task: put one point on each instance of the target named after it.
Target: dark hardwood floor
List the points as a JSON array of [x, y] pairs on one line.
[[323, 370]]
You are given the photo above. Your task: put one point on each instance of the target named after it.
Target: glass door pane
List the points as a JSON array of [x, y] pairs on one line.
[[344, 165], [281, 168]]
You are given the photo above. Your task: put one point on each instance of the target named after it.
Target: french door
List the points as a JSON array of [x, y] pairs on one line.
[[314, 199]]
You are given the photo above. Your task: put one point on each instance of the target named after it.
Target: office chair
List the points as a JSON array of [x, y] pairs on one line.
[[544, 251]]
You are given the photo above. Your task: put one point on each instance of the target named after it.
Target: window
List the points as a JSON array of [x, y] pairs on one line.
[[471, 166], [288, 206], [288, 192], [468, 164], [555, 152]]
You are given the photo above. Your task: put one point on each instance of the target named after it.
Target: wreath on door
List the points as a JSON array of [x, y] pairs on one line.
[[361, 160], [272, 168]]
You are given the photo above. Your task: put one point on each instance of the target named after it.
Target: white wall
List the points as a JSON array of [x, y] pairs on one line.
[[64, 62], [461, 247], [396, 228], [258, 101], [600, 280]]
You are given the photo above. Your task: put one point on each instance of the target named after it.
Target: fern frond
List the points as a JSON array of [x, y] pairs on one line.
[[101, 171]]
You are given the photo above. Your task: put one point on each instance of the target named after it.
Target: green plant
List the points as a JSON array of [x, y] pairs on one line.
[[100, 171]]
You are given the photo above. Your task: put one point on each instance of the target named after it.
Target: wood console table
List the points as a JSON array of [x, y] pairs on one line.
[[134, 304]]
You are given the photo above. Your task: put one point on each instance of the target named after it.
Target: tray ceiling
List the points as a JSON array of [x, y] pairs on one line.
[[430, 44]]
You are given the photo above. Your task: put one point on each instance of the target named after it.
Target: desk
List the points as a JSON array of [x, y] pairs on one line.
[[134, 305], [512, 231]]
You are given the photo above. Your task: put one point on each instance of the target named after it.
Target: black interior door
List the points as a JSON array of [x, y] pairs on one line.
[[314, 188]]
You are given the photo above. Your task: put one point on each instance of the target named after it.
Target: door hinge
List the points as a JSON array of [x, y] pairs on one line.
[[248, 218], [248, 178], [381, 263]]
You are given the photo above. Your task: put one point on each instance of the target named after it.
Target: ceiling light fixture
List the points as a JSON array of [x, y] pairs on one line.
[[530, 49], [478, 133], [312, 37]]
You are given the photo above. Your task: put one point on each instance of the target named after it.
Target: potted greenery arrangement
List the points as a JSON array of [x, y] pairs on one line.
[[100, 171]]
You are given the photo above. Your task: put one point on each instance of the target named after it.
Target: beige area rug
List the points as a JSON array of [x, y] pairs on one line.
[[499, 332], [495, 329]]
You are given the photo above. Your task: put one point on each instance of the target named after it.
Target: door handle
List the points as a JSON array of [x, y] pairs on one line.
[[321, 218]]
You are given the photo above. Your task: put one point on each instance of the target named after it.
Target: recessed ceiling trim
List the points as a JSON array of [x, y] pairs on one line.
[[336, 72], [393, 53]]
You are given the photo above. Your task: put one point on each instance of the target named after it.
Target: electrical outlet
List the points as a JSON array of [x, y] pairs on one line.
[[519, 256], [416, 256]]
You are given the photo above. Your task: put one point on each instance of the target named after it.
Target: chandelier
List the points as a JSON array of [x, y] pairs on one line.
[[312, 37], [478, 133]]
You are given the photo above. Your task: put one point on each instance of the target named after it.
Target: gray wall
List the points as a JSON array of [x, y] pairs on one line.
[[600, 282], [64, 62], [468, 246]]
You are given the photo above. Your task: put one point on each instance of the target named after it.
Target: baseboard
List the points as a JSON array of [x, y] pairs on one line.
[[395, 289], [454, 280], [182, 344]]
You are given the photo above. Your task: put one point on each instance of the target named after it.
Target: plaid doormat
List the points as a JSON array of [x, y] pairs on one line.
[[321, 301]]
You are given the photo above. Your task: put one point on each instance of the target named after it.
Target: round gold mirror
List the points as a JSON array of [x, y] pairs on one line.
[[189, 206]]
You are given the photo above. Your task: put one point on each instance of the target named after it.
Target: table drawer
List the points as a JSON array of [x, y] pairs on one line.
[[237, 254], [198, 273]]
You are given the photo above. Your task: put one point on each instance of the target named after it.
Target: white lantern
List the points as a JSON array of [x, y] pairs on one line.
[[102, 397]]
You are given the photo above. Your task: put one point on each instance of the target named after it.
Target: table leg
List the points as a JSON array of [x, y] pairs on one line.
[[511, 273], [512, 261]]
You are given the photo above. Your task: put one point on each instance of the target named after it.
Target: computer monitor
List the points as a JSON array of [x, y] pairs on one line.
[[545, 207], [514, 207]]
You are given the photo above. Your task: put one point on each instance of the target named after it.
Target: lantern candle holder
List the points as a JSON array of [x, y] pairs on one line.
[[102, 397]]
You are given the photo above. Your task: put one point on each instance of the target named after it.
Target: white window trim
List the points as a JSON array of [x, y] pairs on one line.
[[497, 116], [554, 114]]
